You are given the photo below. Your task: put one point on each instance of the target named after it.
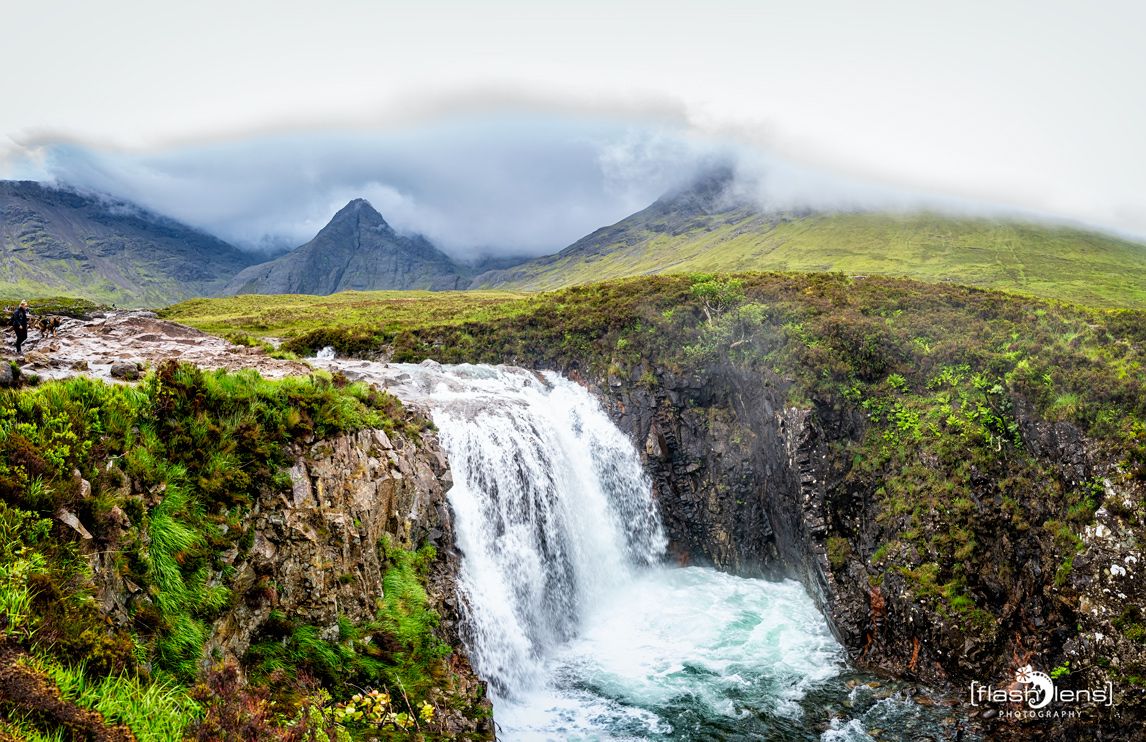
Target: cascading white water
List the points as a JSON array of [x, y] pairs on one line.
[[553, 511], [581, 631]]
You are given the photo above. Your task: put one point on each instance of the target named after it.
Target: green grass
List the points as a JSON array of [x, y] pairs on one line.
[[934, 371], [1047, 261], [398, 650], [286, 315], [20, 729], [406, 614], [159, 711], [51, 303], [70, 277], [182, 457]]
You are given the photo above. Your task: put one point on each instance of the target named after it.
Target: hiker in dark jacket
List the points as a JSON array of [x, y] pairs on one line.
[[20, 325]]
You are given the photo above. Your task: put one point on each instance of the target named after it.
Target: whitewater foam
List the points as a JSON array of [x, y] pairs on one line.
[[580, 629]]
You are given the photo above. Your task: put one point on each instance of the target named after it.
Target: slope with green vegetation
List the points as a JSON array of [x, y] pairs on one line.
[[58, 241], [967, 441], [1077, 363], [672, 237], [1090, 356], [140, 495], [355, 318]]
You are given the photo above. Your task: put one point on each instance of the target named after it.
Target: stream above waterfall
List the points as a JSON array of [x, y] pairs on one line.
[[572, 615]]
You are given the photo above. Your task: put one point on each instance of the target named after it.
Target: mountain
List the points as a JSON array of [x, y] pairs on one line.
[[707, 227], [60, 241], [357, 250]]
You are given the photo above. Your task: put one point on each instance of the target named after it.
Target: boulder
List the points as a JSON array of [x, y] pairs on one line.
[[125, 371], [36, 359]]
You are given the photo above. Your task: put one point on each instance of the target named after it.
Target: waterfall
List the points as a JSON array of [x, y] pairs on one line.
[[570, 614], [553, 510]]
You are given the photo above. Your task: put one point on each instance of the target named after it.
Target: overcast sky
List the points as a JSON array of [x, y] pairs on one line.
[[521, 126]]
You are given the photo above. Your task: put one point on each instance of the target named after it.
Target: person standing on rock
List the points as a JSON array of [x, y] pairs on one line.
[[20, 325]]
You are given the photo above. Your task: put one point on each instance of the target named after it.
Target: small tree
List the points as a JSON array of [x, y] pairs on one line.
[[717, 295]]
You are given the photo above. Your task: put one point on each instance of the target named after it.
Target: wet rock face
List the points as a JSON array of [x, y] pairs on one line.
[[737, 474], [1107, 588], [742, 480], [315, 554], [757, 488]]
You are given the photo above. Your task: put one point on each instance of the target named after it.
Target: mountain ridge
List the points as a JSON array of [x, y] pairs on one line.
[[710, 228], [60, 240]]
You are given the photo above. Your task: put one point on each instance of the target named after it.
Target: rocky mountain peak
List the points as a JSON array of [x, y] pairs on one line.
[[358, 213], [711, 191], [357, 250]]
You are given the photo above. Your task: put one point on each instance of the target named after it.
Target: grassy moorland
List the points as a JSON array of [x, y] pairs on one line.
[[829, 333], [64, 306], [163, 475], [1053, 262], [289, 315], [935, 372]]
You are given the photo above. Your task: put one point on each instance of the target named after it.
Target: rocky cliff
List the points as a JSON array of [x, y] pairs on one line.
[[755, 486], [265, 548], [317, 556], [318, 553]]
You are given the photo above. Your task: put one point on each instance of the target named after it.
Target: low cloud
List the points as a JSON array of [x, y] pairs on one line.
[[523, 183], [488, 185]]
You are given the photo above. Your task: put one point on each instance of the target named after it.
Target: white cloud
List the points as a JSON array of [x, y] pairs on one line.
[[521, 183], [494, 184], [988, 101]]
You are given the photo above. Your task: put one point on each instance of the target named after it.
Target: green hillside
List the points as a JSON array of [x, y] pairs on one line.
[[56, 241], [1053, 262]]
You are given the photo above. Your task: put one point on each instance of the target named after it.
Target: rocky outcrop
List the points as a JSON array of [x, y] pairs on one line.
[[754, 486], [125, 371], [737, 473], [316, 553], [318, 550]]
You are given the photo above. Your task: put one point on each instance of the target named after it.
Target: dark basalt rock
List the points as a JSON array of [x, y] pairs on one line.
[[752, 486], [125, 371]]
